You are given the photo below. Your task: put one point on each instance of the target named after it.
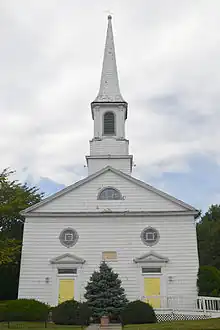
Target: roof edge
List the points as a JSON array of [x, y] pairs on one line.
[[64, 191]]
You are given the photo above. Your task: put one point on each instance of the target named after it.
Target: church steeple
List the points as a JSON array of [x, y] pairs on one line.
[[109, 147], [109, 90]]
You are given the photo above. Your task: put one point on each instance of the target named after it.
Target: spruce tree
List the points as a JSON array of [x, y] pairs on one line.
[[104, 293]]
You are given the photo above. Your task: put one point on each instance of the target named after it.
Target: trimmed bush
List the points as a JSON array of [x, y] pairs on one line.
[[26, 310], [71, 312], [84, 314], [138, 312], [2, 311]]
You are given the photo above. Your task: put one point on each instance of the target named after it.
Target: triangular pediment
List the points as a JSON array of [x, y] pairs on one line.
[[67, 258], [151, 257], [82, 197]]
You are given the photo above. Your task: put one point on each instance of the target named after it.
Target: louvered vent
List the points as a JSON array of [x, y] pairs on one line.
[[109, 123]]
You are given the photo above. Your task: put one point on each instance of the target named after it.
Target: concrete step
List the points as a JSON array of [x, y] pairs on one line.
[[111, 326], [93, 327]]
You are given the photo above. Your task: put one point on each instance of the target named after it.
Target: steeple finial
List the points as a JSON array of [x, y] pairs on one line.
[[109, 87]]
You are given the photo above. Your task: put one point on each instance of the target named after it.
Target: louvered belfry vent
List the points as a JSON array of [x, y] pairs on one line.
[[109, 123]]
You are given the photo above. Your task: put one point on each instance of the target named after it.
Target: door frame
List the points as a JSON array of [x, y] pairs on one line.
[[163, 280], [152, 259], [66, 260]]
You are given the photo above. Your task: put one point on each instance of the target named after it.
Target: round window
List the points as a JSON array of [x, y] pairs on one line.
[[68, 237], [150, 236]]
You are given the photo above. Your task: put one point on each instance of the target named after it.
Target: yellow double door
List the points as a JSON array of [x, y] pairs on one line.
[[152, 291], [66, 290]]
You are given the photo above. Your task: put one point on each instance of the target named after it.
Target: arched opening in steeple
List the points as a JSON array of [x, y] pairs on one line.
[[109, 123]]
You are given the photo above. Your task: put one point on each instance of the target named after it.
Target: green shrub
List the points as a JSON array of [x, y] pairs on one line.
[[138, 312], [26, 310], [2, 312], [71, 312], [84, 314], [208, 281]]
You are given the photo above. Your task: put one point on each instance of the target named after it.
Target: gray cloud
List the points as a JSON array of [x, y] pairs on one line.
[[50, 62]]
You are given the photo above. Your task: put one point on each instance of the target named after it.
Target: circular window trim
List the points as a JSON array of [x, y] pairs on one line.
[[147, 242], [71, 243]]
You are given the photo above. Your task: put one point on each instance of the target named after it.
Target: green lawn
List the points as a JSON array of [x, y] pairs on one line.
[[180, 325], [36, 326]]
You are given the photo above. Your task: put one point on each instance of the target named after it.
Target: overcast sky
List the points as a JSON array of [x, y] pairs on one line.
[[168, 57]]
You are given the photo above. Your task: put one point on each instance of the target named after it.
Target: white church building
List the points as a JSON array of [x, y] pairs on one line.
[[147, 236]]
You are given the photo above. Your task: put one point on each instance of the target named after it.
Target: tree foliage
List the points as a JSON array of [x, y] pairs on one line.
[[104, 293], [9, 251], [14, 197], [208, 233], [208, 281]]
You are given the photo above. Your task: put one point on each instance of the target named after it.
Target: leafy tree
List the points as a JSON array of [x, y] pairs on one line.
[[208, 233], [104, 293], [9, 251], [14, 197], [208, 281]]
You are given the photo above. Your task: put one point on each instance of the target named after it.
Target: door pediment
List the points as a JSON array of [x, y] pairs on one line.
[[151, 257], [67, 258]]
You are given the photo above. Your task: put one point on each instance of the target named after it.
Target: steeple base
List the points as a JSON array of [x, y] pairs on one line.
[[119, 162]]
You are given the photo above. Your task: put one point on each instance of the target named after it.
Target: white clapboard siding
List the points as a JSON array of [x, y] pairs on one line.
[[108, 146], [96, 164], [41, 244], [84, 198]]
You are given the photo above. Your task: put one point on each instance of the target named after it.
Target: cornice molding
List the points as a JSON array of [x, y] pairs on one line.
[[110, 214]]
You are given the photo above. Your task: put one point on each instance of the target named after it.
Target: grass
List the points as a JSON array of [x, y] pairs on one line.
[[36, 326], [210, 324]]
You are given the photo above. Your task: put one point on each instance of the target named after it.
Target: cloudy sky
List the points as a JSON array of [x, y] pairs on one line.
[[168, 56]]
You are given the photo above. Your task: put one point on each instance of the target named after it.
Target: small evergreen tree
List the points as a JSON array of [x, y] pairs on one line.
[[104, 293]]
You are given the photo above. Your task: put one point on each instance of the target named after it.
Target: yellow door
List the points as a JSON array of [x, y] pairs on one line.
[[66, 290], [152, 290]]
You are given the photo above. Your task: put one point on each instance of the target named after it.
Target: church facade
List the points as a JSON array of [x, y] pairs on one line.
[[147, 236]]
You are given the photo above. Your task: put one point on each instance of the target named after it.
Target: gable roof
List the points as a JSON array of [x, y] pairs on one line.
[[151, 257], [142, 184]]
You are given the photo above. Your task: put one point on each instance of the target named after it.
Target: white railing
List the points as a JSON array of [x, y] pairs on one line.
[[211, 304], [205, 304]]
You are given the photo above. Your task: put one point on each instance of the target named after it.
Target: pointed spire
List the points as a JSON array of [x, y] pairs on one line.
[[109, 87]]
